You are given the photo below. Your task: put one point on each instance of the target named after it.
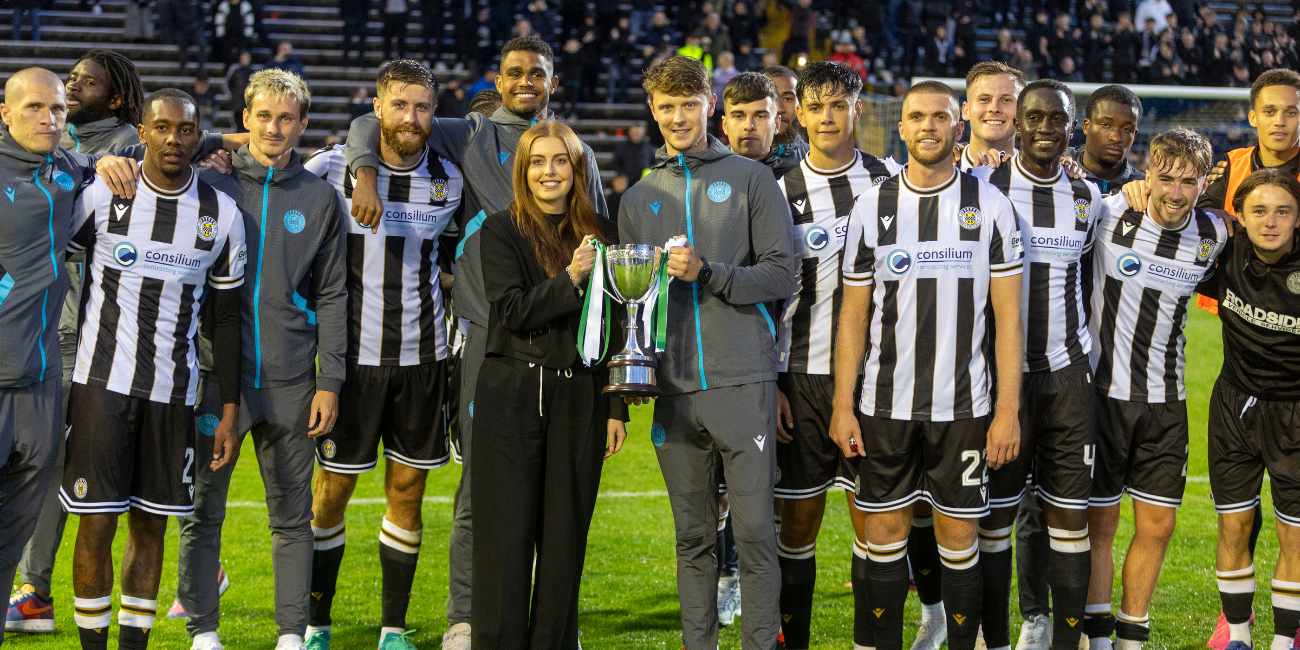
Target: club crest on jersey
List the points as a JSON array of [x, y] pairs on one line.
[[294, 221], [816, 238], [1204, 249], [970, 218], [1293, 282], [1129, 265], [79, 488], [64, 180], [125, 254], [898, 261], [857, 484], [1081, 209], [207, 424], [658, 435], [720, 191], [329, 448], [439, 189], [878, 180], [778, 474], [207, 228]]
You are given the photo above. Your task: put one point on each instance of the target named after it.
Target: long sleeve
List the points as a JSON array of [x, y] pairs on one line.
[[227, 344], [772, 276], [519, 308], [329, 285], [448, 138], [594, 185]]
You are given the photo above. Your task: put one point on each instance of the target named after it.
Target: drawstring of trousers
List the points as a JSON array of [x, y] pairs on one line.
[[567, 372]]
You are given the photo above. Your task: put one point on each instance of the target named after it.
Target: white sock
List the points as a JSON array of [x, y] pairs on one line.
[[1102, 643], [932, 612], [205, 636], [1127, 644], [862, 647], [289, 640], [1280, 643], [312, 629], [1240, 632], [385, 631]]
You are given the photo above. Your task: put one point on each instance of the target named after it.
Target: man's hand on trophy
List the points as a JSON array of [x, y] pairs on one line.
[[683, 264], [584, 257], [638, 401]]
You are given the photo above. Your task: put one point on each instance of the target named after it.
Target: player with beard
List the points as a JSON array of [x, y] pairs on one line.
[[1146, 268], [1057, 215], [942, 246], [717, 377], [821, 192], [1252, 421], [104, 96], [482, 147], [131, 444], [395, 390], [788, 147]]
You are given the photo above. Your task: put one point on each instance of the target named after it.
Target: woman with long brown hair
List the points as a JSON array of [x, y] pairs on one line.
[[541, 425]]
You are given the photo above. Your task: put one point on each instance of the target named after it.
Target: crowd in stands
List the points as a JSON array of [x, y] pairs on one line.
[[604, 45]]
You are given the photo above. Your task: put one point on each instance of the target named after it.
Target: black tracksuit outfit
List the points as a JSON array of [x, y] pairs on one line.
[[539, 435]]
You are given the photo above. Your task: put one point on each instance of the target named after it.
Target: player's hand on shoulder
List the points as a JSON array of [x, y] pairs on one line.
[[1136, 193], [367, 207], [1003, 444], [1073, 169], [119, 173], [1229, 220], [218, 160], [991, 158], [1219, 170]]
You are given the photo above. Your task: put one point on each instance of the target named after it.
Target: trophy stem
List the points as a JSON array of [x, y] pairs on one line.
[[633, 343]]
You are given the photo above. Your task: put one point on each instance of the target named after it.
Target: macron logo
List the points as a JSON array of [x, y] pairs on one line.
[[888, 221], [9, 192], [655, 206], [759, 440], [798, 205], [119, 210], [1127, 226], [504, 155]]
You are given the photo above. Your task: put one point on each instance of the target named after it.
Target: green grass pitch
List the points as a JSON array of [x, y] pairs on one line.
[[629, 597]]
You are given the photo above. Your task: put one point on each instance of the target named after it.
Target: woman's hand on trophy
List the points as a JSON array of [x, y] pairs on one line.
[[683, 263], [615, 434], [584, 257]]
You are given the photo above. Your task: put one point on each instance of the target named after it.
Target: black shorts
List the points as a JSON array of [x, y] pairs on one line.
[[939, 462], [1142, 450], [811, 463], [127, 452], [402, 406], [1057, 441], [1248, 436]]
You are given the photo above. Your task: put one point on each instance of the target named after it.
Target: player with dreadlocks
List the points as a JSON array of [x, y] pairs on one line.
[[104, 97]]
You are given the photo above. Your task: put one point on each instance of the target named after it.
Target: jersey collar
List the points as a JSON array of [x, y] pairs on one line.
[[933, 190], [167, 193]]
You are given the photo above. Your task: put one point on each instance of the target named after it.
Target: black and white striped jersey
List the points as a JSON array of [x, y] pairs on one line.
[[152, 258], [1056, 224], [967, 163], [930, 255], [1145, 277], [820, 202], [395, 313]]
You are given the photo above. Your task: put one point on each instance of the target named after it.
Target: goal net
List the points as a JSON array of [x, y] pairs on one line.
[[1217, 113]]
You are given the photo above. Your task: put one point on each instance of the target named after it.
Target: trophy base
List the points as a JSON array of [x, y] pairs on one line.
[[632, 377]]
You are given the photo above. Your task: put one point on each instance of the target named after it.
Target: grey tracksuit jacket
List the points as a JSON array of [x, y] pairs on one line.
[[784, 157], [732, 210], [99, 136], [35, 226], [484, 150], [294, 302]]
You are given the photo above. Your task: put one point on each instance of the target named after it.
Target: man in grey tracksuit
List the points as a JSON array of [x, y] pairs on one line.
[[40, 181], [483, 148], [717, 375], [295, 337]]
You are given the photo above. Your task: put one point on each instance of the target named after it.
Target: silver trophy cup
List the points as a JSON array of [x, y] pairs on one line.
[[633, 275]]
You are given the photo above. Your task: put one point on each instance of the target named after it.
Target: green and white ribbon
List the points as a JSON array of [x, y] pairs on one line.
[[594, 305]]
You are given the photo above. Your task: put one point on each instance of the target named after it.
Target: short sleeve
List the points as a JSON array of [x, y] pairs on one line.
[[1006, 250], [83, 219], [859, 250], [1100, 214], [228, 271]]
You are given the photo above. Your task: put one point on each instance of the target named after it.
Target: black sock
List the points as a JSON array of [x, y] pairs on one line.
[[132, 638], [963, 589], [995, 563], [1236, 592], [399, 552], [93, 639], [1069, 567], [1286, 608], [887, 579], [325, 562], [1098, 623], [923, 555], [1132, 628], [864, 634], [798, 580]]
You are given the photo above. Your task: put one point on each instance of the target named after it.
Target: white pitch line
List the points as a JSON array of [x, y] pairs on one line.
[[439, 499]]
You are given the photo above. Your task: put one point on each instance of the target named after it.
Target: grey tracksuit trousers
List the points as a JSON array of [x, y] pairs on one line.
[[277, 418], [460, 559], [30, 438], [692, 431]]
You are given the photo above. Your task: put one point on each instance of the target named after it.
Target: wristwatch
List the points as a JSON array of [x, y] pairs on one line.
[[705, 274]]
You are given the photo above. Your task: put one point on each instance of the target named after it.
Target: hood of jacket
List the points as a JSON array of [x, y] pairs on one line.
[[15, 157]]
